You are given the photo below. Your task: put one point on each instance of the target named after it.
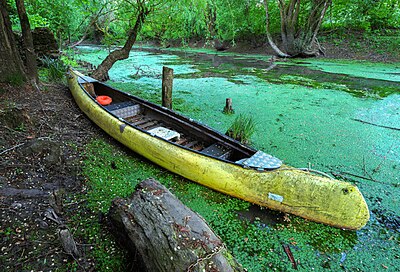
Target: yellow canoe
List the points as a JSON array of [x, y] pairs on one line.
[[207, 157]]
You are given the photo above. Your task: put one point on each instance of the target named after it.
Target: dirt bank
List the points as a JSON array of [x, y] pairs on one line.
[[41, 145]]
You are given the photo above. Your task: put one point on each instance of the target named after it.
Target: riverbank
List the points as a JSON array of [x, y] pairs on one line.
[[374, 46]]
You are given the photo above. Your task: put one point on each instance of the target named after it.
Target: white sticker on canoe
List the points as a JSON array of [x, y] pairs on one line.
[[275, 197]]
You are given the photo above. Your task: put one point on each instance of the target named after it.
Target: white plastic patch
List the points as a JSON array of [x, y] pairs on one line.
[[275, 197], [164, 133]]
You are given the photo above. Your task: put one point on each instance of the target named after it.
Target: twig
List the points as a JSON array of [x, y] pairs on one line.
[[215, 251], [364, 167], [369, 123], [21, 144], [288, 252], [384, 159], [11, 148], [74, 203], [77, 261], [314, 171], [358, 176], [365, 170], [49, 251]]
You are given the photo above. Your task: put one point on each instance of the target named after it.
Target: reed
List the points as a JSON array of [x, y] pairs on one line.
[[242, 128]]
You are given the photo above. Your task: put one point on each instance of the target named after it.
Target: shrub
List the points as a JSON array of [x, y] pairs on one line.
[[55, 68]]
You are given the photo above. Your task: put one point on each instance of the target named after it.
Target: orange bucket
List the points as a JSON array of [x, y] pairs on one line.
[[104, 100]]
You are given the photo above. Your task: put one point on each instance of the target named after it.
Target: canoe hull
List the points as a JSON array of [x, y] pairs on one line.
[[286, 189]]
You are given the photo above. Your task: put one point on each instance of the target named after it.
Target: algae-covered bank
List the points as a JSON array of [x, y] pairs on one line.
[[340, 117]]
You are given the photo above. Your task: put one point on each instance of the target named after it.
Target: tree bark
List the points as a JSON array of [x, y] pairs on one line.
[[30, 64], [101, 73], [165, 235], [11, 65], [167, 82], [269, 36], [298, 39]]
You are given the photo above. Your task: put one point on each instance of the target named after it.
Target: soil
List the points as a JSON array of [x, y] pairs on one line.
[[41, 150]]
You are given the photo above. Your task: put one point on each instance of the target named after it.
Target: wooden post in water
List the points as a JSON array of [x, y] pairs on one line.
[[228, 107], [167, 79]]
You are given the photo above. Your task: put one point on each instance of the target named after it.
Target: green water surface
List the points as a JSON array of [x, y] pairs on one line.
[[340, 117]]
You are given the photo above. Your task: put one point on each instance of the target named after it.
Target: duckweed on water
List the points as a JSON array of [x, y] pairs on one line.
[[113, 171], [312, 119]]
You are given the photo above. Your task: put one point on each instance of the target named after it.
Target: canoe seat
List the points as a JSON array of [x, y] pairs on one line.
[[218, 150], [124, 109], [261, 161], [165, 133]]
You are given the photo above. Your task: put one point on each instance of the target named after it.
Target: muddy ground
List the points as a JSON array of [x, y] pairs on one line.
[[40, 155]]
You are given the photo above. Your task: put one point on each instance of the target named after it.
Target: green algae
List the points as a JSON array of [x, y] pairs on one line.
[[308, 117]]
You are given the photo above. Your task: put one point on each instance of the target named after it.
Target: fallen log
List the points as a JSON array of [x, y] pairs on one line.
[[162, 234]]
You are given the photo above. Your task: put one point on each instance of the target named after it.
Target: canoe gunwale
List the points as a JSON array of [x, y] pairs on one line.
[[199, 127], [285, 189]]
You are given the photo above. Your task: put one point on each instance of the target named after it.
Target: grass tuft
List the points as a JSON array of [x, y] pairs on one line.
[[242, 128]]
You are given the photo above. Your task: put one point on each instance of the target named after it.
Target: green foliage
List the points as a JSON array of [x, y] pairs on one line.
[[55, 68], [187, 20], [16, 79], [365, 14], [69, 61], [242, 128], [103, 248]]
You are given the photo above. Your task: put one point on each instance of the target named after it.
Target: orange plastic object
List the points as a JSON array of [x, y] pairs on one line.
[[104, 100]]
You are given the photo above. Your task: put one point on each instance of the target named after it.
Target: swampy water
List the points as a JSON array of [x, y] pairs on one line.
[[340, 117]]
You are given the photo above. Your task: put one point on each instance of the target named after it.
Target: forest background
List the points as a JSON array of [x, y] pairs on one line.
[[357, 29]]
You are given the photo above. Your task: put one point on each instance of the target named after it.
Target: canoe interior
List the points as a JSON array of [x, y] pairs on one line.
[[149, 117]]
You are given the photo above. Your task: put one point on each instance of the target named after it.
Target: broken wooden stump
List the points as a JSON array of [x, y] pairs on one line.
[[228, 107], [164, 235], [167, 80], [67, 241]]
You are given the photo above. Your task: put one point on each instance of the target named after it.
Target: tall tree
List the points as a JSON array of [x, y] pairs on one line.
[[141, 8], [11, 65], [299, 37], [30, 63]]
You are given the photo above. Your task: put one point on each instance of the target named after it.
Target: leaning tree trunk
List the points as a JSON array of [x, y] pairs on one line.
[[298, 40], [164, 235], [269, 36], [101, 73], [11, 65], [30, 64]]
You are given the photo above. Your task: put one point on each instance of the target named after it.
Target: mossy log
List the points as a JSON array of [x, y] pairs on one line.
[[164, 235]]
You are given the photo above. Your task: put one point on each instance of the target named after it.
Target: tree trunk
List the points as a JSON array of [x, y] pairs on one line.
[[101, 73], [11, 65], [30, 64], [165, 235], [297, 39], [269, 36]]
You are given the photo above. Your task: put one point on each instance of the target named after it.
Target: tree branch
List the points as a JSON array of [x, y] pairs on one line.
[[269, 37]]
